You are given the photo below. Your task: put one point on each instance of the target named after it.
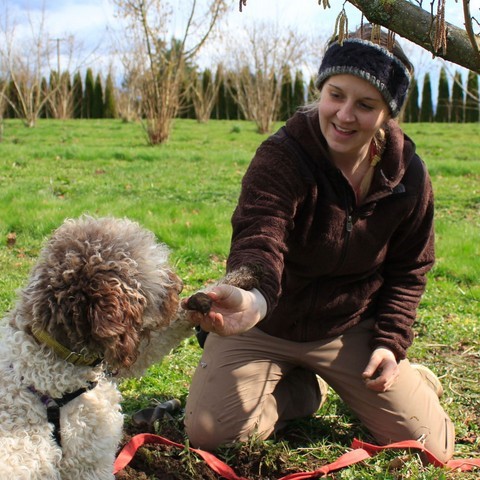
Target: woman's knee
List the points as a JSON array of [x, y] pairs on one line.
[[205, 431]]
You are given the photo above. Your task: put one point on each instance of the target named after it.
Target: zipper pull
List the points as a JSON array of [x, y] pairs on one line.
[[349, 223]]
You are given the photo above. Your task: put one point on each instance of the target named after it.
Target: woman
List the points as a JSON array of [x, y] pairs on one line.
[[335, 221]]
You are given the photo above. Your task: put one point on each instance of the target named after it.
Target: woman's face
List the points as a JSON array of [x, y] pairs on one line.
[[351, 111]]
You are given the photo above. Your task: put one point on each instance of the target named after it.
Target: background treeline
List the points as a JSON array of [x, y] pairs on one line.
[[67, 97], [96, 96], [459, 104]]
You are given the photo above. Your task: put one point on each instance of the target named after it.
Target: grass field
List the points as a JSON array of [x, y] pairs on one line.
[[185, 192]]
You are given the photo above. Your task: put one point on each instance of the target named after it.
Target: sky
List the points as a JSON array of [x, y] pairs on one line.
[[83, 17], [92, 22]]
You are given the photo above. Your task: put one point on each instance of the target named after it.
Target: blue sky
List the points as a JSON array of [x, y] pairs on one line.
[[92, 21], [87, 16], [94, 15]]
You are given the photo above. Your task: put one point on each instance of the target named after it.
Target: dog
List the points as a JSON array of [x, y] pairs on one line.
[[101, 298]]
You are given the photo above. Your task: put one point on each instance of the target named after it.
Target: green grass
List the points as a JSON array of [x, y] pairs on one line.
[[185, 192]]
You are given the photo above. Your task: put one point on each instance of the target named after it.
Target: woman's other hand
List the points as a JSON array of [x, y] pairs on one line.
[[382, 370]]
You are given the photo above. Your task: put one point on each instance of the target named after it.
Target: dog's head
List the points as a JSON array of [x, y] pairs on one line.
[[100, 286]]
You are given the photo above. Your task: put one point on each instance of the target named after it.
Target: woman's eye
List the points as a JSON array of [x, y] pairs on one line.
[[366, 107]]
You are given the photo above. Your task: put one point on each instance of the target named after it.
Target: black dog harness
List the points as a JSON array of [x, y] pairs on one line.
[[79, 359], [54, 404]]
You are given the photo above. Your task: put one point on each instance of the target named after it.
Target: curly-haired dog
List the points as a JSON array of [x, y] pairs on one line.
[[102, 295]]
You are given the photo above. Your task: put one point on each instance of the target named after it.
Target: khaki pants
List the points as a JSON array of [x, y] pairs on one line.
[[250, 385]]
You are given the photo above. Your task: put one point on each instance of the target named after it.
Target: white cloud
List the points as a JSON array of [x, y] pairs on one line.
[[90, 20], [85, 19], [91, 17]]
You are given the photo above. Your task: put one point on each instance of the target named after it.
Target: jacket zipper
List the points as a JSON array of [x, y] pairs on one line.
[[351, 216], [349, 225], [346, 242], [348, 229]]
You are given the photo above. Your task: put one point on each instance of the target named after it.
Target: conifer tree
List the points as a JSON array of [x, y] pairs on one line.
[[286, 95], [13, 101], [426, 109], [471, 99], [312, 91], [186, 107], [110, 106], [207, 79], [458, 110], [65, 96], [77, 95], [88, 96], [298, 91], [233, 110], [220, 106], [54, 85], [207, 83], [412, 110], [442, 115], [43, 92], [97, 110]]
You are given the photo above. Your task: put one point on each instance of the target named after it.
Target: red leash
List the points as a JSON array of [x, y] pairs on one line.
[[461, 464], [360, 451], [129, 450]]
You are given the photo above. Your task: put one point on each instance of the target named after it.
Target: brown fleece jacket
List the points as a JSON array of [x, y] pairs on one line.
[[326, 262]]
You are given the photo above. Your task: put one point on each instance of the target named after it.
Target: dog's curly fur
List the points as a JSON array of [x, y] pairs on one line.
[[101, 287]]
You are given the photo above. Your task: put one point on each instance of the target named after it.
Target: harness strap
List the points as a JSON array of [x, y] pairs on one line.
[[53, 406], [360, 451]]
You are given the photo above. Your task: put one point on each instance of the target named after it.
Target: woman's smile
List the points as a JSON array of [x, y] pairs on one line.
[[343, 130]]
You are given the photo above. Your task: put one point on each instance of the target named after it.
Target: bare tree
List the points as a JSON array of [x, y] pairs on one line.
[[61, 101], [23, 66], [3, 104], [160, 54], [129, 94], [426, 27], [26, 61], [203, 92], [259, 61]]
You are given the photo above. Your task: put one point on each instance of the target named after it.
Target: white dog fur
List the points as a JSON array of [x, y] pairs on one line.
[[102, 288]]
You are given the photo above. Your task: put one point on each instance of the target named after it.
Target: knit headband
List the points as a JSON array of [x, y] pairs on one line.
[[371, 62]]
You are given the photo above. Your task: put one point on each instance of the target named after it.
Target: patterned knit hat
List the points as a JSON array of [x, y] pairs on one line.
[[371, 62]]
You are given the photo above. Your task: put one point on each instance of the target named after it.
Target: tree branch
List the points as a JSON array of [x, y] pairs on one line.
[[469, 27], [414, 24]]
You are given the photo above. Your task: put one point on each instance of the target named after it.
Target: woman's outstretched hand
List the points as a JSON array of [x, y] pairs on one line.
[[233, 310]]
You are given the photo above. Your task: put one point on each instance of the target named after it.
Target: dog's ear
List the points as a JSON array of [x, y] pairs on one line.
[[115, 317]]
